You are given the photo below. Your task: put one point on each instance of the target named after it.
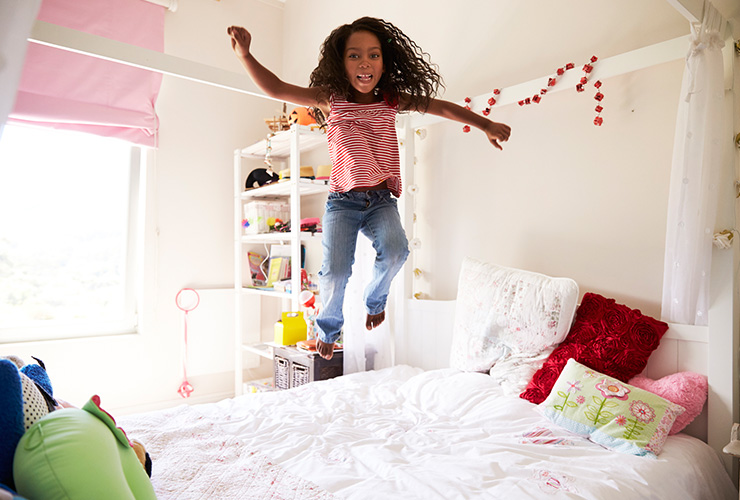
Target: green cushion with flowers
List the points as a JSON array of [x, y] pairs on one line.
[[609, 412]]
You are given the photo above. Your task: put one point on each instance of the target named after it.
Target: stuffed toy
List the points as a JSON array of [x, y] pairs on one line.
[[302, 116], [25, 396], [80, 454], [27, 400], [8, 494], [143, 456]]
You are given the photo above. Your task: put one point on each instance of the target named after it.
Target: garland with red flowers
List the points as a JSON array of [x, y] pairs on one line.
[[551, 82]]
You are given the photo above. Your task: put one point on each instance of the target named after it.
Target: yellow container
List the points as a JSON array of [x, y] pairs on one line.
[[291, 329]]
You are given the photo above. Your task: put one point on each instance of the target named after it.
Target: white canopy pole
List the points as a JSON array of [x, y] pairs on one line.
[[170, 4], [112, 50]]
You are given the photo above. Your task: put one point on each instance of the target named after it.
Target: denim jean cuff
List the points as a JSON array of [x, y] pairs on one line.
[[325, 338]]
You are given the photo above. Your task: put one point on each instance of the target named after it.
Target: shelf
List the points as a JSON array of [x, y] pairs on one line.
[[287, 147], [278, 237], [309, 138], [264, 350], [266, 291], [282, 188]]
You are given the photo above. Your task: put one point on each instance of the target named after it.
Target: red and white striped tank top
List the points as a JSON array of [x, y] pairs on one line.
[[363, 146]]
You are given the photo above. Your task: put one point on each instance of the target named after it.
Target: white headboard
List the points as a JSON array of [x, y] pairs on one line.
[[427, 338]]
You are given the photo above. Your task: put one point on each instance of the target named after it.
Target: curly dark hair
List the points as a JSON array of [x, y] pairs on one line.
[[408, 69]]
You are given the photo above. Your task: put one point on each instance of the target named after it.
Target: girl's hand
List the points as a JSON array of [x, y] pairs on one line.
[[240, 40], [497, 132]]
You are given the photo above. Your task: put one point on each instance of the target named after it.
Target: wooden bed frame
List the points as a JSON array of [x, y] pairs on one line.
[[710, 350]]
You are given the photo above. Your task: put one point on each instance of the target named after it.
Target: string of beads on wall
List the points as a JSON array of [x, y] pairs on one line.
[[551, 82]]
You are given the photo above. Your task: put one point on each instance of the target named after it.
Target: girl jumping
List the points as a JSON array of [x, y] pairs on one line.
[[368, 72]]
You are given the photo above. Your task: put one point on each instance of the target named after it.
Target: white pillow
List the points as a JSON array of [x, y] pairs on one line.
[[507, 321]]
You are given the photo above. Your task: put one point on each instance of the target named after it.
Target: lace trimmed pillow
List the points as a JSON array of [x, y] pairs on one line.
[[508, 321]]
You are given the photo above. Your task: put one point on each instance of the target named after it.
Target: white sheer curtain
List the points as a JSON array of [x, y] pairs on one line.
[[363, 349], [692, 203], [16, 20]]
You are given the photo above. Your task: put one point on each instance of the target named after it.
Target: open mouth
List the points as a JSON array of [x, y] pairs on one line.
[[365, 78]]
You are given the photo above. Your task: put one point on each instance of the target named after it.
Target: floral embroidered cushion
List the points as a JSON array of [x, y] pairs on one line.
[[507, 321], [609, 412], [608, 337]]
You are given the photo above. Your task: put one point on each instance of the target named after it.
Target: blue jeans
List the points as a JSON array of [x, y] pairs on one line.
[[375, 213]]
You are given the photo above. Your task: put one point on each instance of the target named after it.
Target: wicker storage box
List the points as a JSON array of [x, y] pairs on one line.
[[294, 367]]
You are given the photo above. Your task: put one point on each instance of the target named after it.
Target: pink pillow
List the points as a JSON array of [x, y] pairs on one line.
[[607, 337], [687, 389]]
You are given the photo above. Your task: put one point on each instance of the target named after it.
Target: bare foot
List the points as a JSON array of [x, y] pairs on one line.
[[373, 320], [325, 350]]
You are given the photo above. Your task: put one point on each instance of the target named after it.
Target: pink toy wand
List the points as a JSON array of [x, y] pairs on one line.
[[186, 299]]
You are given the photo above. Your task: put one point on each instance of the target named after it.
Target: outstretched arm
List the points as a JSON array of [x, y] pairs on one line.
[[495, 131], [265, 79]]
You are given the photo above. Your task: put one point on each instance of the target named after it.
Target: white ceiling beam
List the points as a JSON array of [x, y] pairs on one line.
[[170, 5], [627, 62], [112, 50], [692, 10]]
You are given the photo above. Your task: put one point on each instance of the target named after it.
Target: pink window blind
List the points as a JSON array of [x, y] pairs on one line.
[[62, 89]]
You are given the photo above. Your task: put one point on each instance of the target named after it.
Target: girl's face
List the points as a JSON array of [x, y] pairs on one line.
[[363, 64]]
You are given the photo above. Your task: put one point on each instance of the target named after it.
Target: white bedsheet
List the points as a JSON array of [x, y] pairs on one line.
[[403, 433]]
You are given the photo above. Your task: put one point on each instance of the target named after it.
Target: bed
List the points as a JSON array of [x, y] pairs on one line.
[[446, 433], [403, 433]]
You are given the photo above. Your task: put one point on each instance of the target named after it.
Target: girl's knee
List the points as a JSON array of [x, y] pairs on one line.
[[397, 251]]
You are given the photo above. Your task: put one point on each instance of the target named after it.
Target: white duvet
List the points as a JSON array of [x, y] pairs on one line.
[[403, 433]]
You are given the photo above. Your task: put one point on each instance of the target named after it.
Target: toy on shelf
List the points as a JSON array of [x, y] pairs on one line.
[[308, 300], [302, 116], [263, 176], [278, 123]]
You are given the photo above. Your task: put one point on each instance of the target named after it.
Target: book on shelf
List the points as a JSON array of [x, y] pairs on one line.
[[279, 268], [255, 268], [276, 266]]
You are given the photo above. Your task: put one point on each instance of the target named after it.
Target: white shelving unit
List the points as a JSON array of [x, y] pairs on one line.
[[288, 144]]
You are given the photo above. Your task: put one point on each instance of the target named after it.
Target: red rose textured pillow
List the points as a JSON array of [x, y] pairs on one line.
[[607, 337], [687, 389]]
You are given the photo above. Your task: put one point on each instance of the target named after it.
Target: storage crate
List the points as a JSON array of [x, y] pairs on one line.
[[282, 372], [258, 212], [295, 367]]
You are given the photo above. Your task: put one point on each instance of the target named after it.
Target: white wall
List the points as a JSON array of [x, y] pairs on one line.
[[565, 197], [189, 232]]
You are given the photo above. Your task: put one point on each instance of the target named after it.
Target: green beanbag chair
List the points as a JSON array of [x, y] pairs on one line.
[[79, 454]]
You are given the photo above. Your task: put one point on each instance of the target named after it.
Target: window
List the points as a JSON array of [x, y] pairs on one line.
[[69, 212]]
